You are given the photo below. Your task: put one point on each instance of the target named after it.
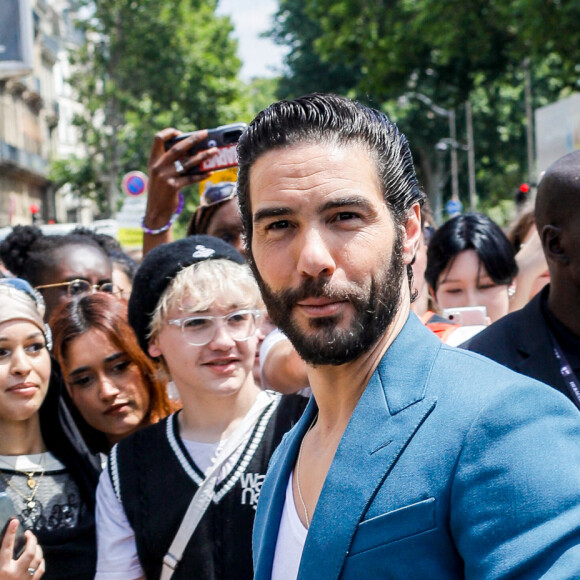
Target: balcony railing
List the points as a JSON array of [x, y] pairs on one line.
[[22, 159]]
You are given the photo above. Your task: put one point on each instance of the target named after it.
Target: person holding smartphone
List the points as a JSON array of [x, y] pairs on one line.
[[173, 164], [42, 471], [167, 173], [20, 553], [470, 262]]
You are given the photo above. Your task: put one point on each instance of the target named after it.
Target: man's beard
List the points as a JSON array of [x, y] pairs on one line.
[[375, 307]]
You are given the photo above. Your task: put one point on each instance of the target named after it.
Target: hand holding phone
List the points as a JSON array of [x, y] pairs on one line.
[[165, 182], [20, 553], [224, 138], [7, 514]]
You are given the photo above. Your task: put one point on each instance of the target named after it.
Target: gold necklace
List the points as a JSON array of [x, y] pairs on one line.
[[298, 473], [31, 482]]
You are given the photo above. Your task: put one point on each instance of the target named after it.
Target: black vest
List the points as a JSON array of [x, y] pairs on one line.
[[156, 479]]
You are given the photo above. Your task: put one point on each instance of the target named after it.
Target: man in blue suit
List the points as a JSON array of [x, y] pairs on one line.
[[413, 459]]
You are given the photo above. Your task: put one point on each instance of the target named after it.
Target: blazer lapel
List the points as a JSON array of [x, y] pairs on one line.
[[388, 414]]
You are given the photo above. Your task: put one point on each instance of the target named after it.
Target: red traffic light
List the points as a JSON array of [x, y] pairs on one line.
[[524, 188], [34, 209]]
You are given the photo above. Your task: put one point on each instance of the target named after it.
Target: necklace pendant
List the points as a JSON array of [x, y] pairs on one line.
[[31, 482], [31, 504]]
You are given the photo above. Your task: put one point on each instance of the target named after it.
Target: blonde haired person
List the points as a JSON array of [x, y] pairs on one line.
[[195, 306]]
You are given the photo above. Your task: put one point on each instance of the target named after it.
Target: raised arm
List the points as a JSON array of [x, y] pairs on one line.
[[167, 171]]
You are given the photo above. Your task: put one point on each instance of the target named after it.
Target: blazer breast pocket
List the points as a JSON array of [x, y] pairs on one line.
[[396, 525]]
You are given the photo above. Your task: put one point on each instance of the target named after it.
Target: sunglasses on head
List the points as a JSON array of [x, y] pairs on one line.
[[218, 193]]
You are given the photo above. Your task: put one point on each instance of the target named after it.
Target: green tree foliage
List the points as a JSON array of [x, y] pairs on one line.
[[308, 71], [451, 52], [147, 64]]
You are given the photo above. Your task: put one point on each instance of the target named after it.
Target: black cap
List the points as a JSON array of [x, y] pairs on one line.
[[159, 268]]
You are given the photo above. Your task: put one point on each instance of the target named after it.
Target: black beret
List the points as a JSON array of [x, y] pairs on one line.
[[159, 268]]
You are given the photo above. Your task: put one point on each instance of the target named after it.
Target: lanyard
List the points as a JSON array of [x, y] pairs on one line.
[[205, 492], [567, 373]]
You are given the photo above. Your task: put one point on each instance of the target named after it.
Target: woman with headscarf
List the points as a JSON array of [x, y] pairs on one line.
[[44, 468]]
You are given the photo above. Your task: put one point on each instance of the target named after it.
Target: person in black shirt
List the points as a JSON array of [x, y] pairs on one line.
[[542, 340], [195, 305]]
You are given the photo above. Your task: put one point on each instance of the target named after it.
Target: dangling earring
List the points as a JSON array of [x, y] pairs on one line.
[[511, 291]]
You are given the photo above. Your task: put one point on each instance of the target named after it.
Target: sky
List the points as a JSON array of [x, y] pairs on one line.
[[260, 56]]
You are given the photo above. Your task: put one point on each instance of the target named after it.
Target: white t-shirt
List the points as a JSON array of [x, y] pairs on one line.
[[291, 539], [117, 557], [463, 333], [273, 338]]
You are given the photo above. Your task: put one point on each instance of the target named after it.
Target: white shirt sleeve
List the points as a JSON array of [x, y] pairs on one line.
[[272, 339], [117, 557]]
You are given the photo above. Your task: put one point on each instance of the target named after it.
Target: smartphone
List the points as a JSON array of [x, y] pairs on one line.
[[467, 315], [225, 138], [7, 513]]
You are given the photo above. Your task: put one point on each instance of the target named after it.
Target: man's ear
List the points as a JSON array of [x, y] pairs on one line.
[[412, 227], [552, 244], [154, 349]]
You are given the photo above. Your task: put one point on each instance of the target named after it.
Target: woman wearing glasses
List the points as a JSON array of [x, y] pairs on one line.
[[195, 307], [113, 385], [60, 267], [50, 484]]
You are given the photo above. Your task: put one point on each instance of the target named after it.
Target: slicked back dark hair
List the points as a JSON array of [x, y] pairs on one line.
[[320, 118]]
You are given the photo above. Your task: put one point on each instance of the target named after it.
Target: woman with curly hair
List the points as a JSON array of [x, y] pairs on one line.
[[60, 267]]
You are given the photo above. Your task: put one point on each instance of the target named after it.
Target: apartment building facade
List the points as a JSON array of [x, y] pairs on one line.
[[37, 109]]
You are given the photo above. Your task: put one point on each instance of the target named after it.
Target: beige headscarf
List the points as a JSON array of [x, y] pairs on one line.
[[19, 301]]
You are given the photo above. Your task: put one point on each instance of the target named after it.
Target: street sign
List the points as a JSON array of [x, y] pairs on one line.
[[134, 183], [453, 207], [130, 234]]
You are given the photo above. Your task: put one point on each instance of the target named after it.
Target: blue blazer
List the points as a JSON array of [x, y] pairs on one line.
[[451, 467]]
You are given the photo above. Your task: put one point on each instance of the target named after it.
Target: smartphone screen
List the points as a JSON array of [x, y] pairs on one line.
[[467, 315], [7, 513]]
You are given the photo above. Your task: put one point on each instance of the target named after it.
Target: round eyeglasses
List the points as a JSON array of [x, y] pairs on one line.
[[200, 330], [79, 286]]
